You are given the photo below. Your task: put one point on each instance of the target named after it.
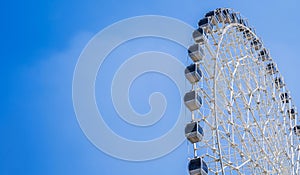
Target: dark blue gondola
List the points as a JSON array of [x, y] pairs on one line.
[[197, 166], [278, 83], [196, 52], [194, 132], [206, 25], [193, 73], [213, 17], [199, 36], [192, 100], [271, 68], [297, 130], [219, 15], [284, 97], [264, 55], [247, 34], [256, 44], [235, 17], [292, 113], [227, 15], [242, 22], [210, 14]]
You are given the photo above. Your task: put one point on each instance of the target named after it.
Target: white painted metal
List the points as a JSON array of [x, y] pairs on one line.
[[247, 127]]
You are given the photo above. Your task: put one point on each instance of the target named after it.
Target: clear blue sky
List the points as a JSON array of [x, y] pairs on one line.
[[41, 42]]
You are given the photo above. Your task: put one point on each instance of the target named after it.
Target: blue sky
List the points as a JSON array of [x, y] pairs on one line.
[[41, 44]]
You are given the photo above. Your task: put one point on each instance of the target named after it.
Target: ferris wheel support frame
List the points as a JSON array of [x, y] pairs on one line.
[[254, 127]]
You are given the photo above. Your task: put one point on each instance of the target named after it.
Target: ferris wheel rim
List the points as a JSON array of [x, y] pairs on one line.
[[225, 27]]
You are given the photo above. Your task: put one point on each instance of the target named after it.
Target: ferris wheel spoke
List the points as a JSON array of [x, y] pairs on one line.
[[248, 118]]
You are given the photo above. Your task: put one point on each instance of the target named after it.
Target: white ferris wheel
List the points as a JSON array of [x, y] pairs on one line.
[[243, 120]]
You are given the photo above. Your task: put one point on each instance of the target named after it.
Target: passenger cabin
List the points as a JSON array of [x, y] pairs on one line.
[[199, 36], [210, 14], [220, 16], [284, 97], [194, 132], [292, 113], [271, 68], [227, 15], [197, 166], [213, 17], [278, 83], [242, 22], [297, 130], [196, 52], [247, 34], [256, 44], [235, 17], [193, 73], [206, 25], [264, 55], [192, 100]]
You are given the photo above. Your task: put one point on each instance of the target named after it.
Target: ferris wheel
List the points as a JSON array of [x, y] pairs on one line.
[[243, 119]]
